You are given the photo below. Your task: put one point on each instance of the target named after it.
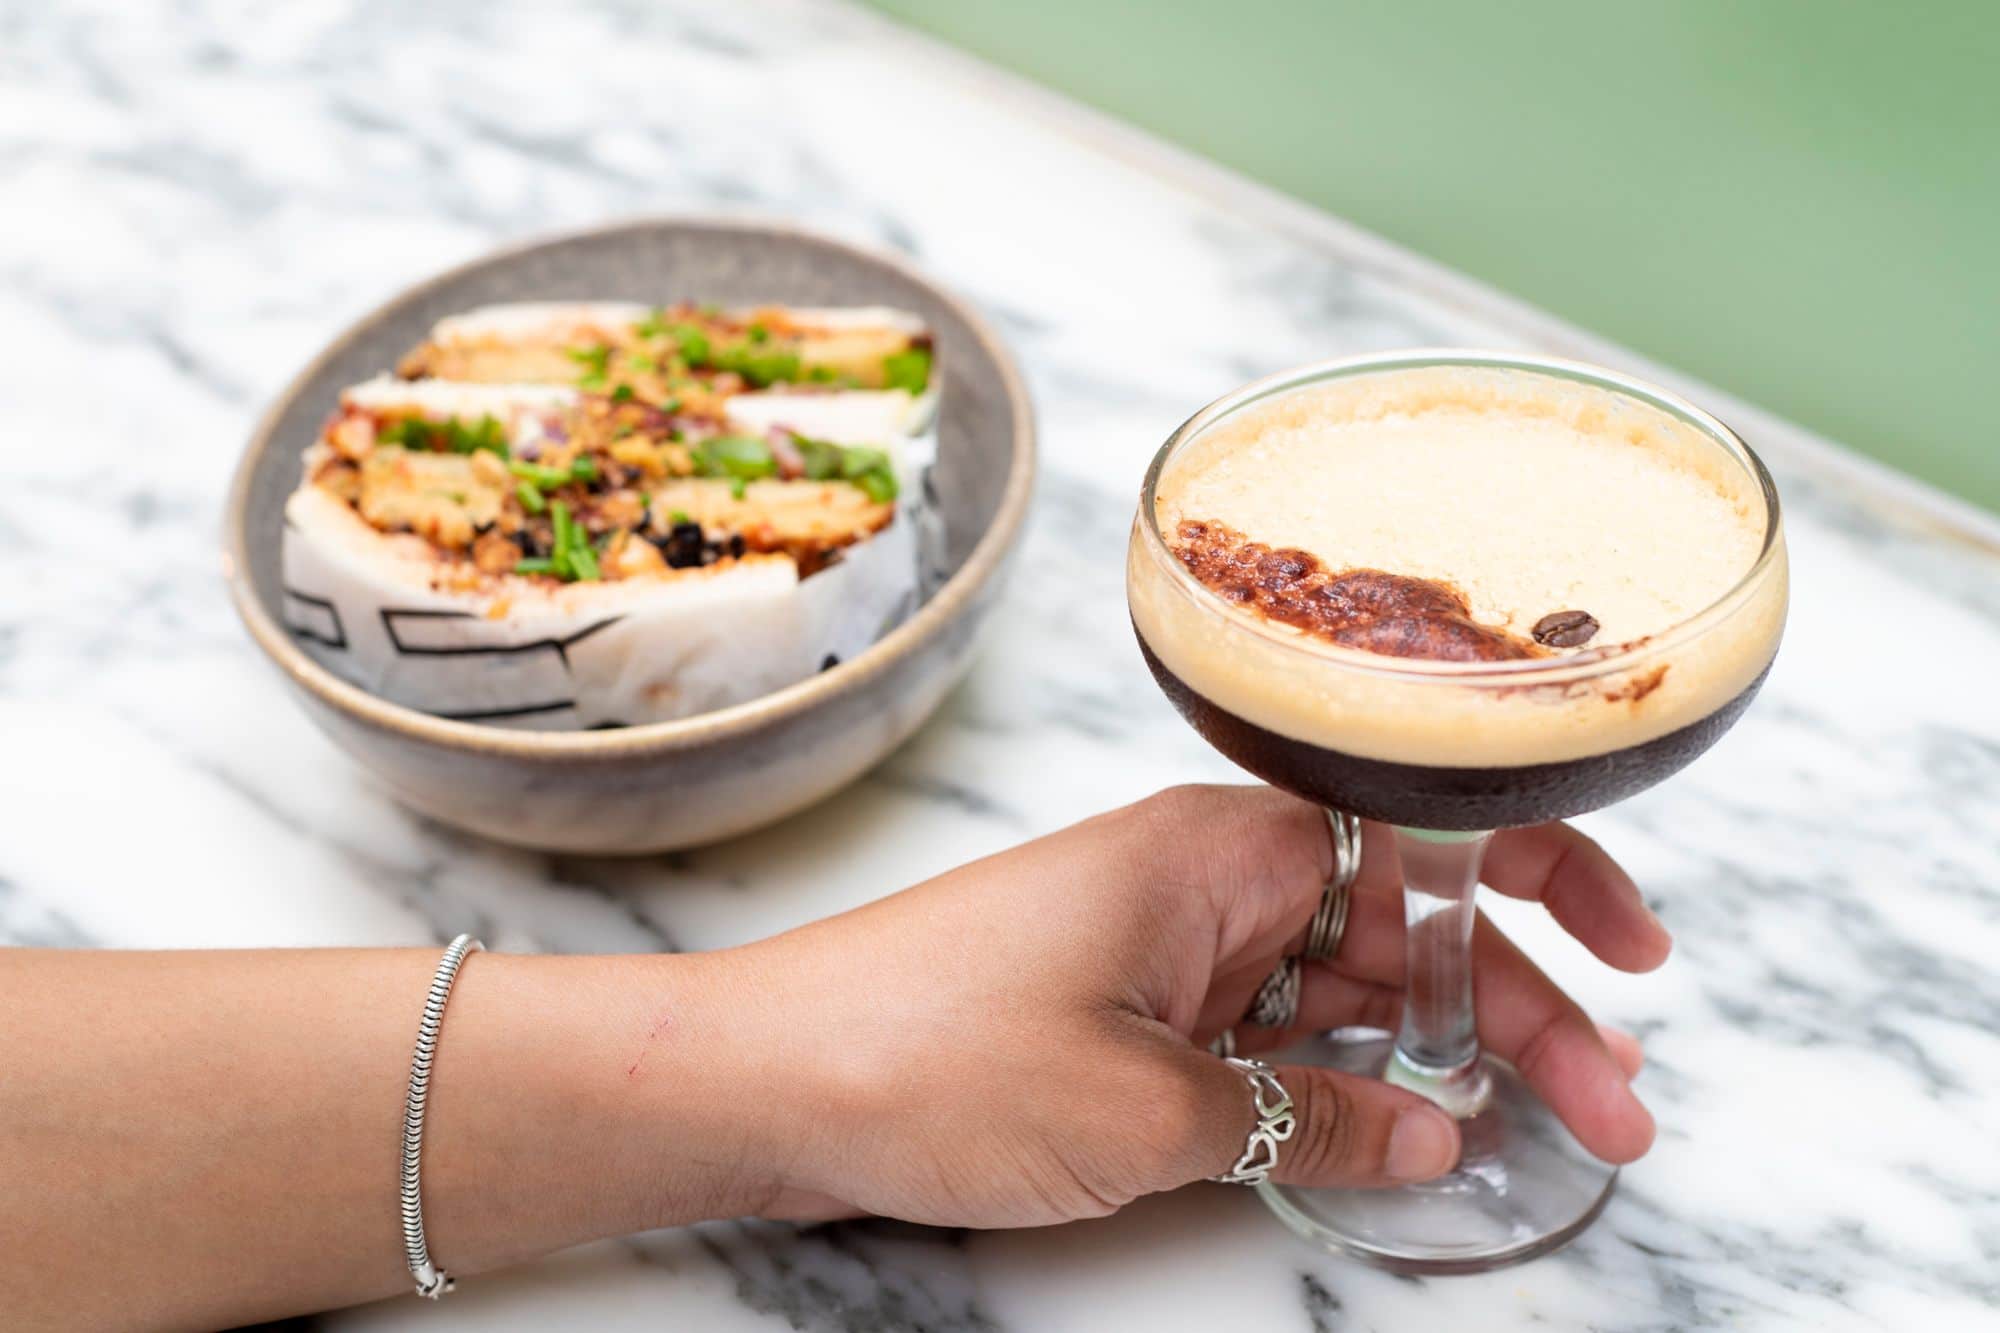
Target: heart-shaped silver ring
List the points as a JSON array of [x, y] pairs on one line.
[[1276, 1122]]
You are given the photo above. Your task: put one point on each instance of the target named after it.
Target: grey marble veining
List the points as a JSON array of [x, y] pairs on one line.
[[196, 197]]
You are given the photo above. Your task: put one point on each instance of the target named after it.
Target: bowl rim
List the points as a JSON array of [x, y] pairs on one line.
[[987, 556]]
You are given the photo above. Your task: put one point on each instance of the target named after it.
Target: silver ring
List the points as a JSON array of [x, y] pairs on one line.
[[1277, 1002], [1329, 923], [1275, 1123]]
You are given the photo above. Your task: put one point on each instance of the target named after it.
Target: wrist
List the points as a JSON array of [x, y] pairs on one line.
[[582, 1097], [698, 1119]]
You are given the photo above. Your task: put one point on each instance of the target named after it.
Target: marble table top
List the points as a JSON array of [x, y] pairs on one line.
[[197, 198]]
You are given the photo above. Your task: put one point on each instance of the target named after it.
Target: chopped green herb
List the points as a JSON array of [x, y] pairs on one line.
[[751, 359], [678, 517], [880, 486], [548, 478], [584, 468], [737, 486], [642, 363], [622, 430], [624, 393], [411, 431], [565, 536], [653, 325], [671, 406], [530, 497], [595, 361], [909, 369], [871, 470], [822, 459], [757, 365], [855, 461], [738, 457], [486, 433], [536, 565], [451, 435], [694, 344], [570, 555]]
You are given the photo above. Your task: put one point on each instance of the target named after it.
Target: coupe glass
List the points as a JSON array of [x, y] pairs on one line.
[[1523, 1186]]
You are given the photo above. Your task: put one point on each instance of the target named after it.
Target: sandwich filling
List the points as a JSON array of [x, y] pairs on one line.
[[593, 487]]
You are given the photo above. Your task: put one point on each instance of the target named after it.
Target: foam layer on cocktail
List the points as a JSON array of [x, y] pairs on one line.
[[1329, 520]]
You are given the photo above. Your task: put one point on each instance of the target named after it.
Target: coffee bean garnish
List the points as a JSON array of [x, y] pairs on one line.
[[1565, 629]]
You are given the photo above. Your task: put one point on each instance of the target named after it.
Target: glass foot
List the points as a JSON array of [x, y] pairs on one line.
[[1524, 1186]]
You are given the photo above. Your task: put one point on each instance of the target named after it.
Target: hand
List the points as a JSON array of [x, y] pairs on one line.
[[1020, 1041], [1016, 1042]]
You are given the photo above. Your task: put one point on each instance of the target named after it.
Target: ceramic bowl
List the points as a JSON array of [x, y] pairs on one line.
[[673, 784]]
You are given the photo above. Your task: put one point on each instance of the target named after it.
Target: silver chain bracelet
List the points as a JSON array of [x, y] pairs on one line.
[[432, 1281]]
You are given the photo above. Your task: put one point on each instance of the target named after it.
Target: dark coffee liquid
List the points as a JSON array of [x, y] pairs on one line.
[[1432, 797]]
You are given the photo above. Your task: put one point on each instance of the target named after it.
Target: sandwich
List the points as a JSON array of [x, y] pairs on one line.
[[489, 535], [865, 373]]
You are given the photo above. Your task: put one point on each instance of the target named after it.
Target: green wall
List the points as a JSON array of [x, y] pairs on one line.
[[1797, 201]]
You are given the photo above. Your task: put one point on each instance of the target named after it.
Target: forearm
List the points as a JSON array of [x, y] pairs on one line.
[[206, 1138]]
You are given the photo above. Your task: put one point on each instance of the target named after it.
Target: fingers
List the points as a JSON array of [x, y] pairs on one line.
[[1525, 1019], [1347, 1131], [808, 1206], [1264, 856], [1624, 1048], [1582, 1070], [1330, 999], [1358, 1132], [1269, 879], [1586, 891], [1327, 999], [1371, 946]]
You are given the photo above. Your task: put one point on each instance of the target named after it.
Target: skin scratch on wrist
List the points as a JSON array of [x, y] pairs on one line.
[[652, 1034]]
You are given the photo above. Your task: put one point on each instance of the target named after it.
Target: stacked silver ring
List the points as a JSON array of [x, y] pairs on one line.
[[1276, 1004], [1329, 923]]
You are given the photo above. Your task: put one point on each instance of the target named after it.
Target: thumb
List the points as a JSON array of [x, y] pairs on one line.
[[1346, 1131]]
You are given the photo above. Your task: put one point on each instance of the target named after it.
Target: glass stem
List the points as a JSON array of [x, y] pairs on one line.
[[1437, 1050]]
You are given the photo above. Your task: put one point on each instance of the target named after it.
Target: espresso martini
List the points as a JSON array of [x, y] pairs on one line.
[[1454, 592], [1539, 589]]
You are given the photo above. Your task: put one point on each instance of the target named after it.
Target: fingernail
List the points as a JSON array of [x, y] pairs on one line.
[[1423, 1143]]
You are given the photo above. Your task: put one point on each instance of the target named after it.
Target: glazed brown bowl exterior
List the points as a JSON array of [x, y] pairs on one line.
[[672, 784]]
